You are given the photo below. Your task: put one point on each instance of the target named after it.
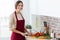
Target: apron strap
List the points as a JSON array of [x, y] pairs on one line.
[[20, 14], [16, 15]]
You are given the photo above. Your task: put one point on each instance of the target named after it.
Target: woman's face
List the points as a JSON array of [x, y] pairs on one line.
[[20, 6]]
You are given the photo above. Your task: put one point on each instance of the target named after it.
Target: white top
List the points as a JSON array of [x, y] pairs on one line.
[[12, 21]]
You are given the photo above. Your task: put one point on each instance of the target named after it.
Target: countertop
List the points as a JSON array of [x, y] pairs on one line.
[[34, 38]]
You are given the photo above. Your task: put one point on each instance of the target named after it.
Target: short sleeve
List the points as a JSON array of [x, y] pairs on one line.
[[11, 22]]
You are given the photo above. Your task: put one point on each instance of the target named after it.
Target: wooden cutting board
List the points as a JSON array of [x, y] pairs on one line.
[[34, 38]]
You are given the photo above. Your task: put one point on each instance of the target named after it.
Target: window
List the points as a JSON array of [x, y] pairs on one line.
[[6, 7]]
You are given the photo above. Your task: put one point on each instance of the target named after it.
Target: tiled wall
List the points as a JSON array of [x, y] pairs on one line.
[[52, 22]]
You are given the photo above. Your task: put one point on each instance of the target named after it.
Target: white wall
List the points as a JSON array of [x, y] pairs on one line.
[[6, 8], [45, 7], [26, 11]]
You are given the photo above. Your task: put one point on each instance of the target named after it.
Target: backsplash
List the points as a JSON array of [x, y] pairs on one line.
[[52, 22]]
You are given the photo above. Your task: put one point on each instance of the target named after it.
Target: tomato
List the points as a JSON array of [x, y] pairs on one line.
[[41, 34]]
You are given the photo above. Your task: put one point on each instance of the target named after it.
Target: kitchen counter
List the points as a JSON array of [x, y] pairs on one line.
[[34, 38]]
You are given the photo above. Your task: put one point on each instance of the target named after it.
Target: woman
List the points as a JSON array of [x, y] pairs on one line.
[[17, 23]]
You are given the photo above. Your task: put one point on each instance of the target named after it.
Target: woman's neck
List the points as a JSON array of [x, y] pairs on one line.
[[17, 11]]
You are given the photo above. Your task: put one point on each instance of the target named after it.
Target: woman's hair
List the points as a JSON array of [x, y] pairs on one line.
[[18, 3]]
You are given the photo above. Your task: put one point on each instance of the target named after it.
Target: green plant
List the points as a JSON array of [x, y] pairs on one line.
[[28, 26]]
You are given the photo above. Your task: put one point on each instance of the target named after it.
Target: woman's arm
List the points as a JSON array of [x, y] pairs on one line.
[[27, 32]]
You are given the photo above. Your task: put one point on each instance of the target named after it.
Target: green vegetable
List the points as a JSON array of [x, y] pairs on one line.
[[28, 27]]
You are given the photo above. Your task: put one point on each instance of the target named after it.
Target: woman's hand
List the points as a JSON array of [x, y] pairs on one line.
[[16, 31], [30, 34], [23, 34]]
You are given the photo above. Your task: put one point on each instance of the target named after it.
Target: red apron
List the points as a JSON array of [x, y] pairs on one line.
[[20, 27]]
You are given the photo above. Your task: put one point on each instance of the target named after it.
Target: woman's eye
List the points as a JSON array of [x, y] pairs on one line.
[[21, 5]]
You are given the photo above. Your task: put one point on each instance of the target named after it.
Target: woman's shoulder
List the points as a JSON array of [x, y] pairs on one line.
[[12, 15]]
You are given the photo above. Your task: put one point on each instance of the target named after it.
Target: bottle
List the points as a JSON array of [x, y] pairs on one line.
[[52, 34]]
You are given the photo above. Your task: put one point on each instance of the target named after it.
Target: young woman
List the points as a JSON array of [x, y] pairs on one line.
[[17, 23]]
